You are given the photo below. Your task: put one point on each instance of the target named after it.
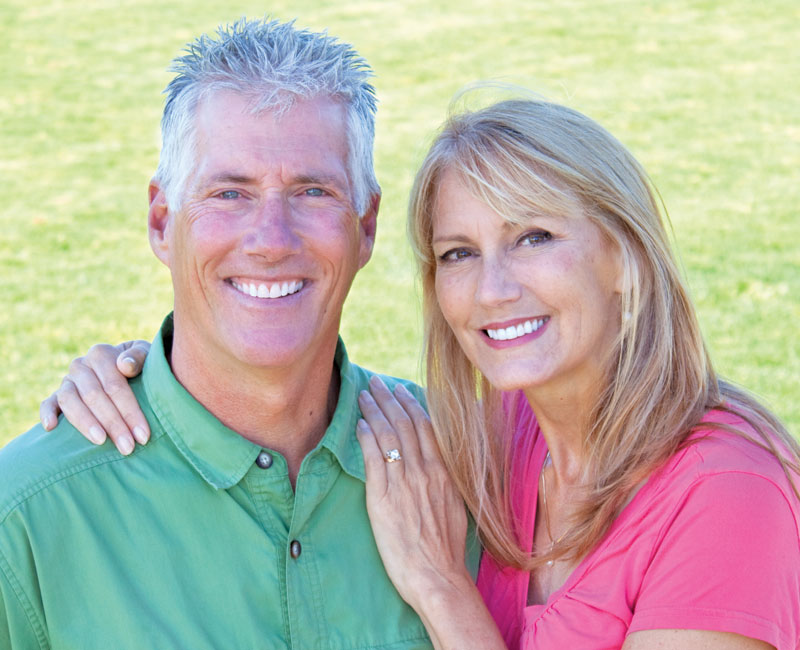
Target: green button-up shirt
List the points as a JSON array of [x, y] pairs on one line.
[[195, 540]]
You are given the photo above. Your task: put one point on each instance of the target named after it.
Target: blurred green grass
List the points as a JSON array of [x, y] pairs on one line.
[[705, 94]]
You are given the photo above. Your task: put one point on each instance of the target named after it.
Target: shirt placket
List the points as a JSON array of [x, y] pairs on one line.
[[287, 517], [304, 589]]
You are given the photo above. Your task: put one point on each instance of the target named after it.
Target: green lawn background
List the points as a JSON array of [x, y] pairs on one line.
[[706, 94]]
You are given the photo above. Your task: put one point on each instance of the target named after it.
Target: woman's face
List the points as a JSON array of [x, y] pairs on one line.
[[534, 305]]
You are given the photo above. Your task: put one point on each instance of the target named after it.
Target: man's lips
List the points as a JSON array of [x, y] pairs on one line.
[[270, 290]]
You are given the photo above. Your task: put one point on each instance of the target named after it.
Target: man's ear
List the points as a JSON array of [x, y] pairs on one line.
[[158, 222], [368, 223]]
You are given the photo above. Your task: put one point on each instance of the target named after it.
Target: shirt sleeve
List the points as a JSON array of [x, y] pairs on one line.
[[728, 560], [17, 631]]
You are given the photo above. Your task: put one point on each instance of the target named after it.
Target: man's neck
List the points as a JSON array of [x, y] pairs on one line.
[[282, 409]]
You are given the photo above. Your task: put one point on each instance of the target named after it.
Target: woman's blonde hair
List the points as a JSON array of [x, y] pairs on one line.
[[526, 156]]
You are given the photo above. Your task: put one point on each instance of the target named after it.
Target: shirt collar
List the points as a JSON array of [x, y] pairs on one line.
[[219, 454], [340, 437]]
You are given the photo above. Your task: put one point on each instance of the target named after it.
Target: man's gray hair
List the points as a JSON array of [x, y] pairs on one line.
[[274, 64]]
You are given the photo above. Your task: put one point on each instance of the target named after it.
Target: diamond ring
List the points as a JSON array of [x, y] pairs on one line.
[[392, 456]]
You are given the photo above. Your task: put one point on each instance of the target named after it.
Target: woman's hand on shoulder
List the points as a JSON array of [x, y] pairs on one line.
[[96, 399], [419, 520], [417, 516]]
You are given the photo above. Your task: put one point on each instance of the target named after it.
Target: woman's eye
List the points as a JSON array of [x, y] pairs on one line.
[[534, 238], [229, 195], [454, 255]]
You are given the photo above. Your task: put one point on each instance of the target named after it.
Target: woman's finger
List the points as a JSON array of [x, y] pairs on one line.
[[397, 417], [429, 448], [112, 365], [374, 464], [48, 412], [86, 404], [80, 416], [130, 359], [386, 437]]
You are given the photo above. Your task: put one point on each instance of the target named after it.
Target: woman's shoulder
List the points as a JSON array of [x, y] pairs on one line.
[[725, 457], [724, 441]]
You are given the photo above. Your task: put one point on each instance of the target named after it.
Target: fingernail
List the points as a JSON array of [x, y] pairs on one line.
[[97, 435], [125, 444], [141, 435], [402, 389], [130, 361], [49, 423], [362, 426]]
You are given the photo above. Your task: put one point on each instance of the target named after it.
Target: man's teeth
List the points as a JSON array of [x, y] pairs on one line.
[[273, 290], [515, 331]]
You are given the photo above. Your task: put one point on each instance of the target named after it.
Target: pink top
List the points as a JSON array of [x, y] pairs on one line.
[[710, 542]]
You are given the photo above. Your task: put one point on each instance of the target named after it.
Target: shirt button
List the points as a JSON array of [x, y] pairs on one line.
[[295, 549], [264, 460]]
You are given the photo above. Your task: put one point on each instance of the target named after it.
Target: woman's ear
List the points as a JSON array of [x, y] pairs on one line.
[[625, 268]]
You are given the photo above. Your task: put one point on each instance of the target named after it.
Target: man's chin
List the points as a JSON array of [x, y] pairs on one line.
[[271, 351]]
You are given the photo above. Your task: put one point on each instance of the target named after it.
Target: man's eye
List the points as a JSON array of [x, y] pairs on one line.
[[535, 237], [229, 195], [315, 192]]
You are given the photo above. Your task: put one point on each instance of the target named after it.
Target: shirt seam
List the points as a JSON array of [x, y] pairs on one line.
[[41, 485], [423, 638], [702, 477], [30, 614]]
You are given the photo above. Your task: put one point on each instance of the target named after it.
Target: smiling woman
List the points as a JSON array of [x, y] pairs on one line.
[[627, 496], [503, 284]]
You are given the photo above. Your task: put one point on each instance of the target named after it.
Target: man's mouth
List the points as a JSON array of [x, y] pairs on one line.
[[268, 289], [515, 331]]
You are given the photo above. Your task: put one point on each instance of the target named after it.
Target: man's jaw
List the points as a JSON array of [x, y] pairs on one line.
[[269, 290]]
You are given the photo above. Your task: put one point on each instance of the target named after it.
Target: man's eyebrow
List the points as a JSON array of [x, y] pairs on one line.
[[314, 178], [231, 177]]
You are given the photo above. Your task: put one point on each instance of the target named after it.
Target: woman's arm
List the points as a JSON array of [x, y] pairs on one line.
[[96, 399], [419, 521]]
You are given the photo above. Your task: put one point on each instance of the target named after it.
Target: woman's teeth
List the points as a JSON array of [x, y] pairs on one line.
[[515, 331]]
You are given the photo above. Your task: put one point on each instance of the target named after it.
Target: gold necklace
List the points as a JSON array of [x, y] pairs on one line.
[[546, 511]]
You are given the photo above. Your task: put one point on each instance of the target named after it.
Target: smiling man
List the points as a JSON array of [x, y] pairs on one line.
[[242, 523]]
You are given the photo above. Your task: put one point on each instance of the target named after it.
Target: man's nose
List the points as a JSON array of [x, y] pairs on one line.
[[273, 231], [496, 283]]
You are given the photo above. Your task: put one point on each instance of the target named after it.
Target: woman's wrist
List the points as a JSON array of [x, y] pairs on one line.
[[454, 613]]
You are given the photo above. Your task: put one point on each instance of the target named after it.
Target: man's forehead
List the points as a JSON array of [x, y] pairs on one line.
[[307, 141], [228, 105]]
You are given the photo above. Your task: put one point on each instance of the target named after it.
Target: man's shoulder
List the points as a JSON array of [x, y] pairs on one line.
[[39, 459], [363, 376]]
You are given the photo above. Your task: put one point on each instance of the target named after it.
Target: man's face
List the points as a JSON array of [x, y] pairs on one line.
[[267, 242]]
